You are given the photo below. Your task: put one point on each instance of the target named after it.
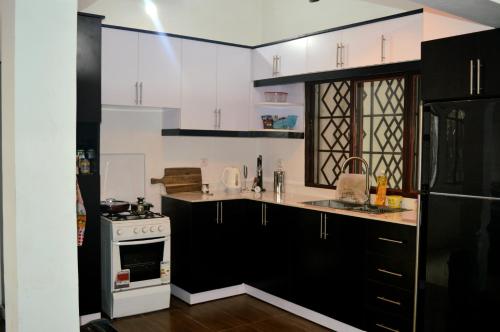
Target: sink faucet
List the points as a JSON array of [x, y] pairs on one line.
[[367, 169]]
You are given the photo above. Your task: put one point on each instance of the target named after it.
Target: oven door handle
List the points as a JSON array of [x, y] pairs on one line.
[[133, 243]]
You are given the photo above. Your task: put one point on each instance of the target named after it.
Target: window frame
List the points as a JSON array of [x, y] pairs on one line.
[[410, 130]]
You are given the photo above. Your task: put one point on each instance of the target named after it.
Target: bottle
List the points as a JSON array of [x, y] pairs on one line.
[[381, 188], [279, 178], [83, 162], [91, 157]]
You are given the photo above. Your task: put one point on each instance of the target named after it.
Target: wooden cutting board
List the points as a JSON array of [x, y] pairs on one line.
[[180, 179]]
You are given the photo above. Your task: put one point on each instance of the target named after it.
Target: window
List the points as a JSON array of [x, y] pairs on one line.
[[373, 118]]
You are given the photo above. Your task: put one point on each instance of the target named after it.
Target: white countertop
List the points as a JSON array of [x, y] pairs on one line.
[[296, 200]]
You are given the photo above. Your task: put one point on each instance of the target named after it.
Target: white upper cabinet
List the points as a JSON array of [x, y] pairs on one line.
[[233, 87], [140, 69], [160, 71], [283, 59], [402, 38], [323, 52], [361, 46], [199, 91], [215, 86], [264, 62], [119, 67]]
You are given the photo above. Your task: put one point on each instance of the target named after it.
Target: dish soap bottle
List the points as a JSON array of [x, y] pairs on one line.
[[381, 188]]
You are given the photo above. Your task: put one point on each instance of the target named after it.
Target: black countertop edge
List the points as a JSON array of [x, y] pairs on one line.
[[91, 15], [343, 27], [351, 73], [232, 133]]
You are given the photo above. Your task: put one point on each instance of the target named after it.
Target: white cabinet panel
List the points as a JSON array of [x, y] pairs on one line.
[[233, 87], [403, 37], [119, 67], [160, 70], [263, 61], [362, 45], [322, 51], [292, 57], [198, 105]]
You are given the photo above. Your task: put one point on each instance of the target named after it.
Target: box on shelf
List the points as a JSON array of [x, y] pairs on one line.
[[275, 122]]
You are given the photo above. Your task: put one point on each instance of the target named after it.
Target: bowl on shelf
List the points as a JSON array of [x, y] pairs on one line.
[[288, 122], [275, 97]]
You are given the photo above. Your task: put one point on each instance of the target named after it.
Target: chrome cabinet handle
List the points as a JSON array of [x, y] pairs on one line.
[[217, 218], [381, 298], [325, 234], [274, 65], [262, 214], [137, 93], [399, 275], [382, 326], [278, 64], [221, 213], [220, 116], [338, 53], [385, 239], [321, 226], [342, 47], [140, 93], [215, 117], [471, 78], [478, 76], [382, 49], [265, 215]]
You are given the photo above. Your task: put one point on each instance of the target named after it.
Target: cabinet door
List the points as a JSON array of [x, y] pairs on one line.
[[322, 51], [159, 71], [268, 249], [446, 68], [327, 274], [88, 64], [233, 87], [206, 238], [403, 37], [292, 57], [119, 67], [362, 46], [263, 61], [489, 55], [198, 107]]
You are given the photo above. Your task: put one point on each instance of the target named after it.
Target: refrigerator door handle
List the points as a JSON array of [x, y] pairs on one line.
[[434, 149]]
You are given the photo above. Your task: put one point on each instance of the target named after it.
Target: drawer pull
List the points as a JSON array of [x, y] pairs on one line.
[[382, 326], [381, 298], [390, 240], [390, 272]]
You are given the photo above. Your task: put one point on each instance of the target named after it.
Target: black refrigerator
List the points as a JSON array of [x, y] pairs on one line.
[[459, 242]]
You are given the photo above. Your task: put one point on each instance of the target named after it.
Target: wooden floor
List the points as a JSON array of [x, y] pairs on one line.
[[235, 314]]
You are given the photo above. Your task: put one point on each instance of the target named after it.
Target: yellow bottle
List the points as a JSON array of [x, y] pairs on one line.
[[381, 188]]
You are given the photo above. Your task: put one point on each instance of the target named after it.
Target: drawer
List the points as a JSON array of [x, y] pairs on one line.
[[377, 321], [392, 271], [389, 299], [391, 239]]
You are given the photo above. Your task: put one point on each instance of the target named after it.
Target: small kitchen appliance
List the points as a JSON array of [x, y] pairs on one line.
[[135, 262], [259, 179], [231, 178], [279, 179]]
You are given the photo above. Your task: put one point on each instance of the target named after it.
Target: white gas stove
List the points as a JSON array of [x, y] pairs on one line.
[[135, 263]]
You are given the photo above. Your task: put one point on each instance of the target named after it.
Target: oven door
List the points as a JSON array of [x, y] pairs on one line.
[[141, 260]]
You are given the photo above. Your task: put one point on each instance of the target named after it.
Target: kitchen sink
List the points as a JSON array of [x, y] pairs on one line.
[[342, 205]]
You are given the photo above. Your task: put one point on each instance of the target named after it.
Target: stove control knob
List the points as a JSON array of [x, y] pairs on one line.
[[136, 230], [152, 228], [160, 228], [144, 229], [119, 232]]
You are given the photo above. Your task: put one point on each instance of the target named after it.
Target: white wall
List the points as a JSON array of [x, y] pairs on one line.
[[249, 22], [286, 18], [140, 132], [38, 153], [237, 21]]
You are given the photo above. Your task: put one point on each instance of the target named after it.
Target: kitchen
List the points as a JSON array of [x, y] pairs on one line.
[[129, 131]]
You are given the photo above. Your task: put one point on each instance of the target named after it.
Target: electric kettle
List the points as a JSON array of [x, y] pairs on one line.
[[231, 178]]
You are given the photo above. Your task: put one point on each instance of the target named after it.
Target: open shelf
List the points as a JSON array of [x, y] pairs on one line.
[[269, 133], [278, 105]]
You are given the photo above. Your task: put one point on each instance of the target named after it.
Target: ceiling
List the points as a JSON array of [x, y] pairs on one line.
[[482, 11]]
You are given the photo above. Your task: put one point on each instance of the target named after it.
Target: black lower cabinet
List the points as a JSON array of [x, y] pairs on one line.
[[206, 242], [267, 252], [327, 270]]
